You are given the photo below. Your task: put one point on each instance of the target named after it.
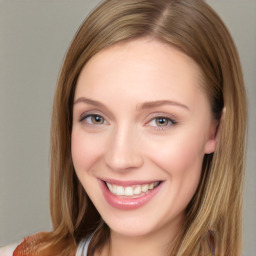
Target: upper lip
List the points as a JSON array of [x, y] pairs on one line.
[[126, 183]]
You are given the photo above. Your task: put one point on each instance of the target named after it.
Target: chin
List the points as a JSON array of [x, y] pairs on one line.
[[130, 229]]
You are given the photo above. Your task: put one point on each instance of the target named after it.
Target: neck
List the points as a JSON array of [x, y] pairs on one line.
[[159, 243]]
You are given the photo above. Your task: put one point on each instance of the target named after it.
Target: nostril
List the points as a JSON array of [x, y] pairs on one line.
[[124, 164]]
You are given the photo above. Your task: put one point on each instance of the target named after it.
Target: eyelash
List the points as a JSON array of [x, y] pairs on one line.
[[84, 117], [170, 121]]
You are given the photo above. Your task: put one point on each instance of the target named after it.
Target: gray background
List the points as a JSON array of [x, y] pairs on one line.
[[34, 36]]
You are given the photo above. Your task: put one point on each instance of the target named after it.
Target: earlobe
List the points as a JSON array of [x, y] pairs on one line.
[[211, 144]]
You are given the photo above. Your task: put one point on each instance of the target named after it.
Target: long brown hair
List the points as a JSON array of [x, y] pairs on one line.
[[194, 28]]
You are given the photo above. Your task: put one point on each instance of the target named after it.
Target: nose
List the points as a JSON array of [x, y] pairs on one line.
[[124, 152]]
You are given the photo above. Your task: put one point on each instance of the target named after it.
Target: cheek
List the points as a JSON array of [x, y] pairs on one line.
[[182, 162], [179, 155], [85, 151]]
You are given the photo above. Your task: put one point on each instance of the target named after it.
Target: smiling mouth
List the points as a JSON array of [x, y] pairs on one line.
[[129, 195], [133, 191]]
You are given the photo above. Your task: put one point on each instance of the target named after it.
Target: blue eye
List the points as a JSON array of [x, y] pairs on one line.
[[161, 122], [94, 119]]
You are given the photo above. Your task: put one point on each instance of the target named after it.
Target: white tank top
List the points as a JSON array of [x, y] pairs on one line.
[[82, 248]]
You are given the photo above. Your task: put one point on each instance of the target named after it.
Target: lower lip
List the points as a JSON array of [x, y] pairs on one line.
[[125, 203]]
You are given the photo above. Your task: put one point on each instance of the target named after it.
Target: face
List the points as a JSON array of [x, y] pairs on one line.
[[141, 127]]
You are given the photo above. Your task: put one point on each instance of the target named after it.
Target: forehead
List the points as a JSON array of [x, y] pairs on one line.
[[140, 67]]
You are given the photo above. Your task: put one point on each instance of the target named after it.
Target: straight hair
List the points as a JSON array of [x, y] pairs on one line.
[[213, 219]]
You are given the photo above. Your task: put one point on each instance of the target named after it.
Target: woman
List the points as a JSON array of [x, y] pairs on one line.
[[148, 135]]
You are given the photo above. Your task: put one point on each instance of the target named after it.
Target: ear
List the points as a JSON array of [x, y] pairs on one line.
[[213, 137]]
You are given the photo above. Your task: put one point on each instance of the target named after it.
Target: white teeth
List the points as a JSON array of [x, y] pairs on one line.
[[144, 188], [128, 191], [137, 190], [119, 191], [131, 190], [109, 186]]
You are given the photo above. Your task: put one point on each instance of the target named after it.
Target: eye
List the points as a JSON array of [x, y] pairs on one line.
[[161, 122], [93, 119]]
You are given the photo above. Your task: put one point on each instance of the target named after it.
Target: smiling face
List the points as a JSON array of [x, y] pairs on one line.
[[141, 128]]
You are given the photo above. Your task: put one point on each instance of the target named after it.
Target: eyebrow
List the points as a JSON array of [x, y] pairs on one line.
[[152, 104], [145, 105], [88, 101]]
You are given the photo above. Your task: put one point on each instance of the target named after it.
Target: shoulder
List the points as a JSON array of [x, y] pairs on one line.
[[8, 250], [25, 247]]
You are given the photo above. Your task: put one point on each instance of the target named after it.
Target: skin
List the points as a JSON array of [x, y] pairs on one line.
[[130, 143]]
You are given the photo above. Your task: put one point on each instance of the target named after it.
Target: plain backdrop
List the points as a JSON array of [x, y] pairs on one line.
[[34, 36]]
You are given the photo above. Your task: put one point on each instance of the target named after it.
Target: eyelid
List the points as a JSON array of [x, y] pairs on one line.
[[170, 118], [91, 113], [163, 115]]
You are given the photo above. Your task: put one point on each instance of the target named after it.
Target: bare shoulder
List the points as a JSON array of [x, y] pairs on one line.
[[8, 250]]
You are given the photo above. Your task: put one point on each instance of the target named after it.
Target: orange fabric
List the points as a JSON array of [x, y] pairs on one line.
[[29, 246]]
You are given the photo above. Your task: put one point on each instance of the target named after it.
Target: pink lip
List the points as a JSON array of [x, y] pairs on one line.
[[128, 182], [124, 203]]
